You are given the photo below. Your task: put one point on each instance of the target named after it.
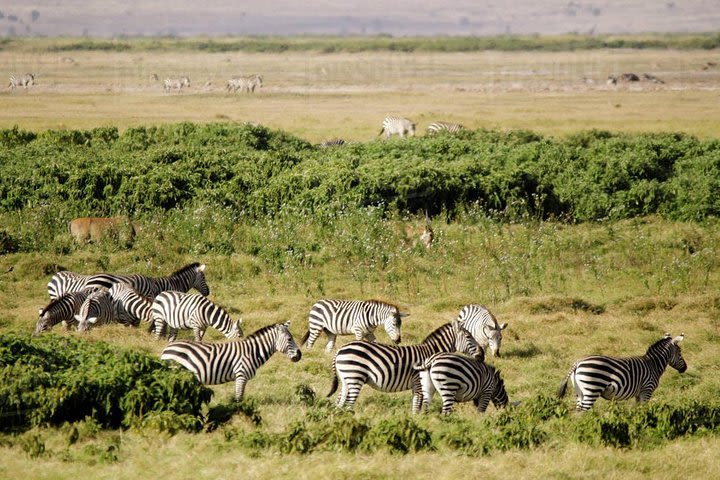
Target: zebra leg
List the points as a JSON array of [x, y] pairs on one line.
[[172, 332], [313, 336], [417, 398], [427, 389], [448, 401], [331, 341], [349, 393], [481, 403], [159, 327], [199, 333], [644, 395], [240, 382]]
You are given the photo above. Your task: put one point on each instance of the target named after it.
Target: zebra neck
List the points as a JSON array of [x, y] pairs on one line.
[[263, 349]]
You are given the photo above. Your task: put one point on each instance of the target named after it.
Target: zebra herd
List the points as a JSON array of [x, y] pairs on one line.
[[242, 84], [450, 360]]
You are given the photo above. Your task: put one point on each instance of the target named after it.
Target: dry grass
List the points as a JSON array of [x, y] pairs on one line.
[[318, 96]]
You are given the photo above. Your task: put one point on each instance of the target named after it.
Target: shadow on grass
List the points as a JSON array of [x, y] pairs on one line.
[[526, 351]]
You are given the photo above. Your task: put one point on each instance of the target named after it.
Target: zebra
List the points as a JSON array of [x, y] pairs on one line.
[[246, 84], [183, 310], [333, 142], [182, 280], [459, 378], [397, 126], [357, 317], [484, 327], [176, 83], [131, 307], [97, 309], [25, 81], [215, 363], [390, 368], [444, 127], [623, 378], [61, 310]]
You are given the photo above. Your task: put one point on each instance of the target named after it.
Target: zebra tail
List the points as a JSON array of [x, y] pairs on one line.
[[305, 338], [563, 386], [334, 386], [381, 131]]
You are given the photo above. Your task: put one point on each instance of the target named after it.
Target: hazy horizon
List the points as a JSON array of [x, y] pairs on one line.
[[281, 17]]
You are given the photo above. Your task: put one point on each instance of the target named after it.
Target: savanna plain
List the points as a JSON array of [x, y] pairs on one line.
[[582, 213]]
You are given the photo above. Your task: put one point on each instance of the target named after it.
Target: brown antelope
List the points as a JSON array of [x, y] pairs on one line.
[[94, 229]]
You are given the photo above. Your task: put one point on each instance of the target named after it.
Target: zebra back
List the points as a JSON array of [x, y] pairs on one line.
[[446, 127], [483, 325]]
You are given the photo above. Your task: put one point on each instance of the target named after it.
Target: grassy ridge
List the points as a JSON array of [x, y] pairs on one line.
[[329, 44]]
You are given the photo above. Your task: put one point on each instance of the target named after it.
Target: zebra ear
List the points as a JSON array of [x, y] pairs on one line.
[[78, 318], [503, 326], [667, 335], [201, 268], [287, 324], [40, 311], [404, 314], [678, 339]]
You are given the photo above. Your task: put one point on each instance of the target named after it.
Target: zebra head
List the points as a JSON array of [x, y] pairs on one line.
[[493, 333], [199, 282], [393, 324], [285, 343], [236, 329], [43, 324], [499, 396], [676, 359], [464, 341]]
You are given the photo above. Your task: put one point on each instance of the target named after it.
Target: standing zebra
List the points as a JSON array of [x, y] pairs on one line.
[[25, 81], [176, 83], [131, 307], [60, 310], [356, 317], [390, 368], [182, 280], [246, 84], [397, 126], [444, 127], [183, 310], [215, 363], [623, 378], [484, 327], [460, 379]]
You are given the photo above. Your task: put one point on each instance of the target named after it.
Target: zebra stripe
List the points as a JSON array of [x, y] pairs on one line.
[[461, 379], [24, 81], [333, 142], [131, 307], [390, 368], [182, 280], [483, 326], [180, 310], [215, 363], [176, 83], [444, 127], [97, 309], [397, 126], [246, 84], [61, 310], [356, 317], [623, 378]]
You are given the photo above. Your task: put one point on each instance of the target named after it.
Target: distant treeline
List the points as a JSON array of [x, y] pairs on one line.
[[329, 44], [256, 173]]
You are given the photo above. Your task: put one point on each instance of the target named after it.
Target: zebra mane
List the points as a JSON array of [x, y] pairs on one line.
[[382, 302], [184, 269], [656, 346], [438, 331], [261, 331], [51, 304]]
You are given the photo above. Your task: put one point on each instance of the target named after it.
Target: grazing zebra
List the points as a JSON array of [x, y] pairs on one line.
[[390, 368], [97, 309], [176, 83], [131, 307], [25, 81], [183, 310], [61, 310], [333, 142], [246, 84], [397, 126], [182, 280], [356, 317], [215, 363], [444, 127], [484, 327], [460, 379], [623, 378]]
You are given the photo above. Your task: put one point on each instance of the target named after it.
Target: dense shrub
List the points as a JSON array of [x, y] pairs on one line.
[[52, 380]]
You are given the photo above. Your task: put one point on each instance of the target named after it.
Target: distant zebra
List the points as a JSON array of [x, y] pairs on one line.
[[61, 310], [25, 81], [397, 126], [246, 84], [483, 326], [176, 83], [356, 317], [97, 309], [623, 378], [215, 363], [182, 280], [183, 310], [390, 368], [446, 127], [131, 307], [333, 142], [460, 379]]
